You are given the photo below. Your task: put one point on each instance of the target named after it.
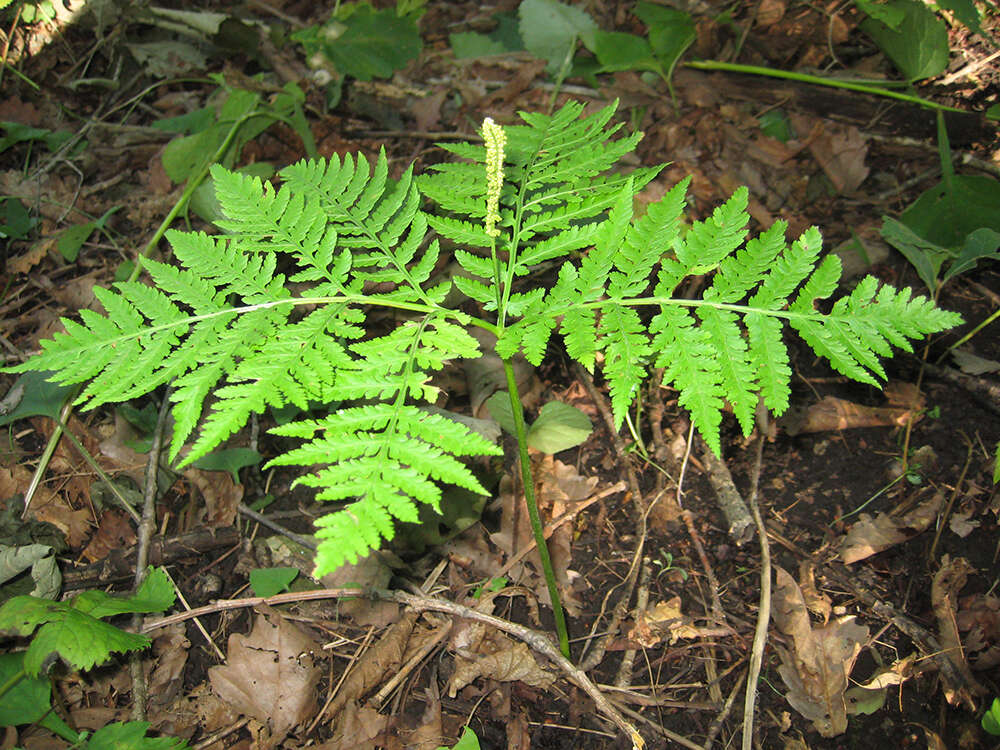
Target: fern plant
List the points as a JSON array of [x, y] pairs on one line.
[[228, 323]]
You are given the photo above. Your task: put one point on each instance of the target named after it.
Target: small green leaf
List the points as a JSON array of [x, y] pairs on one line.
[[72, 239], [890, 15], [229, 459], [551, 29], [947, 217], [29, 700], [918, 45], [368, 44], [498, 406], [15, 221], [559, 426], [470, 44], [991, 719], [774, 123], [671, 32], [616, 50], [131, 736], [270, 581], [468, 741], [966, 12], [38, 397]]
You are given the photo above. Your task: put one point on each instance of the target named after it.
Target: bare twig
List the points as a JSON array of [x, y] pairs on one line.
[[716, 725], [147, 525], [764, 610], [265, 521]]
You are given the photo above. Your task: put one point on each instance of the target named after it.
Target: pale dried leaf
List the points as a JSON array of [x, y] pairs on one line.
[[375, 663], [896, 674], [870, 536], [171, 650], [429, 735], [221, 494], [962, 524], [269, 675], [818, 603], [513, 663], [358, 728], [817, 668], [945, 586], [662, 620]]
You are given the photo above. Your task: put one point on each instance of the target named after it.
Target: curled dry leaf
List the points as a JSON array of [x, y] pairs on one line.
[[947, 583], [357, 728], [375, 663], [511, 662], [870, 536], [269, 675], [817, 668], [817, 602], [979, 619], [661, 621], [171, 650]]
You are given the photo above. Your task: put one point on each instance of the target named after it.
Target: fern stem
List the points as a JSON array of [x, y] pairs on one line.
[[529, 499]]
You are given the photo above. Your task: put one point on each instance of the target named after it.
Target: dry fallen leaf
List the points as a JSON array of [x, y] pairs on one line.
[[817, 668], [171, 650], [357, 728], [818, 603], [375, 663], [511, 662], [115, 532], [872, 535], [269, 675], [946, 585], [662, 620], [979, 618]]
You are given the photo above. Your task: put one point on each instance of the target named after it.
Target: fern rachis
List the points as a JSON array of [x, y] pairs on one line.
[[225, 322]]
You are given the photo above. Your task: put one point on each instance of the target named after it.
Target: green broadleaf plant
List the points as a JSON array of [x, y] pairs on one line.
[[227, 323]]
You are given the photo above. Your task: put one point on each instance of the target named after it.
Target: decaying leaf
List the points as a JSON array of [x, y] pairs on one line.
[[872, 535], [831, 413], [375, 663], [817, 668], [357, 728], [171, 649], [509, 663], [558, 488], [979, 618], [947, 583], [661, 621], [817, 602], [269, 675]]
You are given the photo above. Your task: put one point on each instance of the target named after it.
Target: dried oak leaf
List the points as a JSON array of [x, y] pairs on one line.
[[870, 536], [269, 675], [817, 668]]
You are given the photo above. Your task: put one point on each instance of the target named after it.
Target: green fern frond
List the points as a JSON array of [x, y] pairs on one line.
[[386, 455], [225, 326]]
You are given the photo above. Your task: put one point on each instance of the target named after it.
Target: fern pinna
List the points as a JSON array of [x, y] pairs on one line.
[[226, 323]]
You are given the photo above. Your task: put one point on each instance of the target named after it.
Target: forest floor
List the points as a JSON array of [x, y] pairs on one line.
[[880, 507]]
